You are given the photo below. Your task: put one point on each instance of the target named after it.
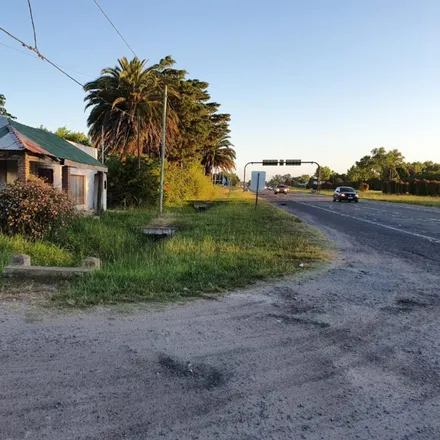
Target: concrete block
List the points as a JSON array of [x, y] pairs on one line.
[[21, 260], [35, 272], [92, 263]]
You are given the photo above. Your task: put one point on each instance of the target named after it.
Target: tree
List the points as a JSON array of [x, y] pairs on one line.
[[3, 111], [221, 156], [126, 100], [74, 136], [326, 173]]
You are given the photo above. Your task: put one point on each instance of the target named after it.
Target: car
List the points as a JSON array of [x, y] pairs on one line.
[[345, 193], [281, 189]]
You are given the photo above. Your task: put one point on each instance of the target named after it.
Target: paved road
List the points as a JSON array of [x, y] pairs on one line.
[[349, 352], [405, 231]]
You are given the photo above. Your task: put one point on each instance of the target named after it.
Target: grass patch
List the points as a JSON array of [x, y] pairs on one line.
[[42, 253], [231, 245]]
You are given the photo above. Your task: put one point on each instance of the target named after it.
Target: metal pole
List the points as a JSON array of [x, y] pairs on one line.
[[319, 179], [244, 175], [102, 144], [258, 186], [162, 162], [139, 142]]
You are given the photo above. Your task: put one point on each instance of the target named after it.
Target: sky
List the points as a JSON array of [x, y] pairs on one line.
[[321, 80]]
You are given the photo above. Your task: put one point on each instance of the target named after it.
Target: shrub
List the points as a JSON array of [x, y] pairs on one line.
[[364, 187], [34, 209], [188, 183], [130, 187]]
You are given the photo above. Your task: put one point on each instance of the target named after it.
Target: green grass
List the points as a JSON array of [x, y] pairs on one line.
[[231, 245], [42, 253], [395, 198]]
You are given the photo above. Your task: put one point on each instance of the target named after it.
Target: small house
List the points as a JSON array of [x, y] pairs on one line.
[[27, 151]]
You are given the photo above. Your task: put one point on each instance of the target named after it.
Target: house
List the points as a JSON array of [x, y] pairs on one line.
[[27, 151]]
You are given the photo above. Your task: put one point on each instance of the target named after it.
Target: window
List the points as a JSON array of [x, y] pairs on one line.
[[46, 174], [77, 189]]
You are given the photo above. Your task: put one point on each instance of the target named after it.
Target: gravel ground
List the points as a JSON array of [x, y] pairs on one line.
[[350, 351]]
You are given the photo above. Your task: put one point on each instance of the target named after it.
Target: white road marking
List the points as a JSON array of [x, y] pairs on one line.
[[414, 234]]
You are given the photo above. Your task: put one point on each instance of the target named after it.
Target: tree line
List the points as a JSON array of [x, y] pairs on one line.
[[380, 167]]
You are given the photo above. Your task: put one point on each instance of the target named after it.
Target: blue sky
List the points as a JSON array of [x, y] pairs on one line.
[[312, 79]]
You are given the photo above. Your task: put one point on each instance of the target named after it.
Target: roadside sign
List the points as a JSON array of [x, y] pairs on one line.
[[295, 162], [260, 178]]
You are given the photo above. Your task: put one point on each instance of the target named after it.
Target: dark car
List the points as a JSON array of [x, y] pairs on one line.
[[345, 193], [281, 189]]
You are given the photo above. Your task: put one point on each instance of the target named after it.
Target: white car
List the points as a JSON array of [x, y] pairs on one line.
[[281, 189]]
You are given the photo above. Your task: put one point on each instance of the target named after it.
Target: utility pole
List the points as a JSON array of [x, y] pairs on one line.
[[102, 144], [162, 162], [139, 142]]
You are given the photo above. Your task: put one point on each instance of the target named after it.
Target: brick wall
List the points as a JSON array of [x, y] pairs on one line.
[[24, 168]]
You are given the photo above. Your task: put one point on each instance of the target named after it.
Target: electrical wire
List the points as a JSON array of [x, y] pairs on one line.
[[30, 55], [40, 55], [114, 27], [33, 24], [18, 50]]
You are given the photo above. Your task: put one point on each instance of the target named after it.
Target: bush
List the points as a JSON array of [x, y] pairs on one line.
[[188, 183], [130, 187], [364, 187], [34, 209]]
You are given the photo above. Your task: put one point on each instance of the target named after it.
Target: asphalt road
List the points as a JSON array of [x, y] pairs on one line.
[[349, 351], [405, 231]]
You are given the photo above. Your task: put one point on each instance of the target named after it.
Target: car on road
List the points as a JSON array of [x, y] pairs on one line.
[[345, 193], [281, 189]]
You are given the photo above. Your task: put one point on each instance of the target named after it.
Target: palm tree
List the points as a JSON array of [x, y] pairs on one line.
[[221, 156], [126, 101]]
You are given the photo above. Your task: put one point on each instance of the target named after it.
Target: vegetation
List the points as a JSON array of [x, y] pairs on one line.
[[3, 111], [74, 136], [129, 186], [33, 209], [231, 245], [126, 102], [289, 180]]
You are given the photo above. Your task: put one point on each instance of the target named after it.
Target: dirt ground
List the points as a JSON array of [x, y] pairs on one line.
[[349, 351]]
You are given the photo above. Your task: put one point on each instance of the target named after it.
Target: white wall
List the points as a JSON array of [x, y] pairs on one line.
[[90, 178], [89, 150], [57, 173], [89, 186]]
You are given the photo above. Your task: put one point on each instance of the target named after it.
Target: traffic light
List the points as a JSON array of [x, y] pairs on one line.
[[295, 162], [270, 162], [281, 162]]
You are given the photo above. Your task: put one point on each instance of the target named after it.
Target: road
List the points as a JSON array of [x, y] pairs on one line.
[[349, 351], [404, 231]]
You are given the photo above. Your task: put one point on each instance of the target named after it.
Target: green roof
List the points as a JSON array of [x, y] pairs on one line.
[[55, 145]]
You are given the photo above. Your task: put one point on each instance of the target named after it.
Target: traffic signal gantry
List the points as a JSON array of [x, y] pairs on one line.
[[287, 162]]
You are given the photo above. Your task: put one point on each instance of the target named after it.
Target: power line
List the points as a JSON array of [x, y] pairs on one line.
[[34, 49], [40, 55], [114, 27], [30, 55], [33, 24], [18, 50]]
